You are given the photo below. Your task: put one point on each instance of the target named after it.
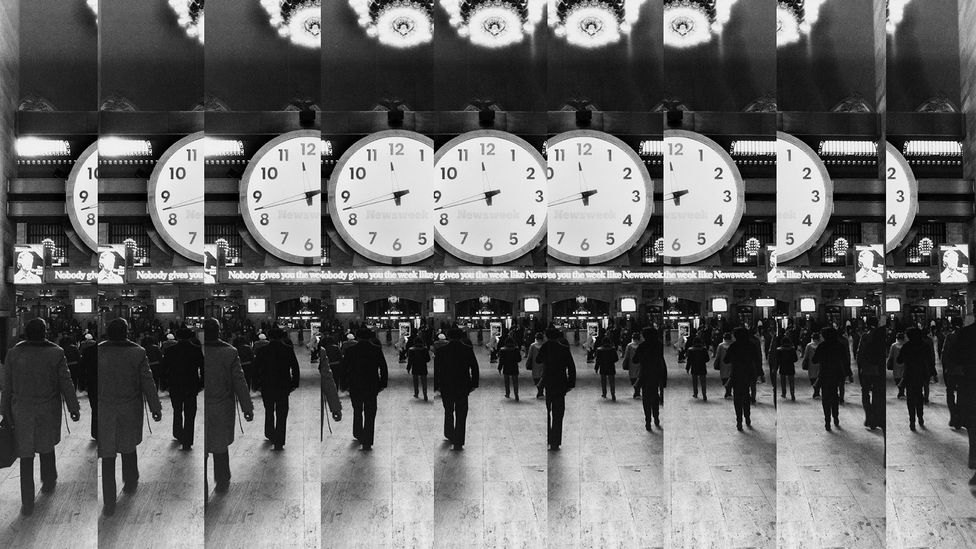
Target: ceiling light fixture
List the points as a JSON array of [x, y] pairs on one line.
[[794, 19], [397, 23], [115, 147], [297, 20], [33, 147], [690, 23], [593, 23], [494, 23], [189, 14]]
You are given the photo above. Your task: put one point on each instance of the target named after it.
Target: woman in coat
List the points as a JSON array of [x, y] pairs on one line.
[[697, 365], [746, 361], [724, 368], [224, 382], [35, 379], [605, 358], [509, 357], [633, 368], [417, 358], [897, 368], [807, 363], [536, 367], [786, 362], [919, 361]]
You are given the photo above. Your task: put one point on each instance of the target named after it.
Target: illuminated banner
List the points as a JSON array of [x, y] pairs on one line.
[[911, 274], [29, 262], [66, 275], [810, 274], [276, 275], [192, 275], [111, 264], [955, 264]]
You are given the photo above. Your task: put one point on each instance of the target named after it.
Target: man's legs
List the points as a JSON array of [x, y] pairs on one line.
[[460, 419], [221, 470], [176, 399], [130, 471], [556, 406], [448, 400], [281, 419], [369, 419], [357, 415], [269, 416], [108, 483], [27, 483], [49, 471]]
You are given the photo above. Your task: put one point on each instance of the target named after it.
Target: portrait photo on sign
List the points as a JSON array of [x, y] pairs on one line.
[[111, 264], [29, 264], [870, 264], [954, 267]]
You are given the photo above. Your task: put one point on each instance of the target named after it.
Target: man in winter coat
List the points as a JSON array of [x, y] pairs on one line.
[[834, 358], [558, 378], [871, 373], [124, 380], [224, 381], [953, 372], [183, 367], [456, 372], [963, 352], [536, 367], [632, 367], [365, 374], [724, 368], [36, 378], [278, 375], [653, 374]]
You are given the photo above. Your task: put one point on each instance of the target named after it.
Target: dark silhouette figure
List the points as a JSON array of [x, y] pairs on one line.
[[834, 359], [183, 367], [365, 375], [456, 372], [277, 372], [746, 360], [558, 378], [919, 363]]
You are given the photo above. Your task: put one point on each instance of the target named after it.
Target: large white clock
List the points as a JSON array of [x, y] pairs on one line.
[[489, 197], [81, 196], [600, 197], [381, 197], [280, 197], [176, 197], [804, 197], [704, 197], [901, 197]]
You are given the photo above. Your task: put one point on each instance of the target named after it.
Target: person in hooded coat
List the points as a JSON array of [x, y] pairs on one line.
[[457, 375]]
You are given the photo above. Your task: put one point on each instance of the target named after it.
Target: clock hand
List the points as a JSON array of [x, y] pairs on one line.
[[486, 196], [393, 179], [307, 196], [396, 196], [584, 196], [676, 195], [189, 202], [90, 207]]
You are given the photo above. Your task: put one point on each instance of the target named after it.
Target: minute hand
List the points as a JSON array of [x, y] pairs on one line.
[[397, 195], [295, 198], [486, 196]]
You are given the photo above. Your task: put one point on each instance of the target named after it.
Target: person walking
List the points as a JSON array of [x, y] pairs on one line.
[[963, 352], [871, 374], [537, 368], [278, 375], [746, 360], [633, 368], [35, 380], [953, 372], [224, 383], [558, 377], [897, 368], [696, 364], [786, 363], [807, 363], [365, 373], [653, 375], [605, 360], [124, 380], [89, 367], [183, 367], [724, 368], [457, 375], [834, 359], [509, 357], [246, 353], [919, 362], [417, 358]]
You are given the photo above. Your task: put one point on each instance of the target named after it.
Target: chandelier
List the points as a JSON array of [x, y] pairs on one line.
[[895, 13], [752, 246], [794, 19], [397, 23], [189, 14], [593, 23], [494, 23], [298, 20], [690, 23]]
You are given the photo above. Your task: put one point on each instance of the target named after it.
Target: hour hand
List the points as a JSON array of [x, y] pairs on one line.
[[189, 202], [676, 196], [90, 207]]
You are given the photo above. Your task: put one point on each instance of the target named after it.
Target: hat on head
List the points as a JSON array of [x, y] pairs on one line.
[[170, 337], [262, 337], [441, 336], [89, 337]]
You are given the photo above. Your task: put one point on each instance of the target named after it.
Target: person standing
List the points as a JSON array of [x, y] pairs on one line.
[[183, 367], [833, 357], [786, 364], [807, 363], [278, 375], [36, 378], [697, 365], [605, 358], [919, 361], [124, 380], [724, 368], [457, 375], [509, 357], [746, 360], [871, 374], [632, 367], [953, 373], [417, 358], [653, 375], [223, 382], [365, 374], [558, 378], [537, 368]]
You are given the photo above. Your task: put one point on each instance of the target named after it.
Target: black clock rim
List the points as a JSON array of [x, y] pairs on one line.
[[629, 243], [740, 202], [334, 209], [828, 199], [912, 198], [69, 188], [151, 197], [531, 243], [243, 192]]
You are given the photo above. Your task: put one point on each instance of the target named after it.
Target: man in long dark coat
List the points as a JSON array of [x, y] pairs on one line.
[[365, 374], [871, 355], [834, 359], [456, 372], [278, 375], [35, 379], [962, 354], [558, 378], [183, 367], [124, 379], [653, 374]]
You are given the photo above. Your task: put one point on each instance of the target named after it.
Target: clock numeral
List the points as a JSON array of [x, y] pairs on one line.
[[609, 155], [269, 173], [530, 173], [437, 197], [539, 197], [177, 173], [487, 149], [562, 235], [637, 197], [513, 154], [701, 155], [284, 236], [789, 155], [172, 219], [462, 155], [308, 149], [464, 237], [371, 155], [807, 221], [611, 240], [585, 245], [83, 195], [676, 149], [584, 149], [530, 220], [422, 239], [559, 154], [720, 221], [421, 155], [789, 239], [191, 155], [807, 173], [550, 173], [816, 196], [372, 237], [513, 239], [309, 245], [676, 245], [357, 172], [282, 155], [396, 149], [353, 219], [193, 236], [892, 220], [701, 239], [397, 246], [345, 196], [449, 173], [92, 173], [900, 196], [892, 173], [264, 219], [257, 196], [165, 196], [91, 219], [488, 245], [728, 195], [443, 220], [628, 221], [718, 173], [627, 173]]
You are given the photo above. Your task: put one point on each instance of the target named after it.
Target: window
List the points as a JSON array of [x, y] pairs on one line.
[[37, 233]]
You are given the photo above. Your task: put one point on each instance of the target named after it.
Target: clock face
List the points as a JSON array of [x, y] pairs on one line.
[[600, 197], [176, 197], [804, 197], [704, 197], [381, 197], [281, 193], [489, 197], [901, 198], [82, 196]]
